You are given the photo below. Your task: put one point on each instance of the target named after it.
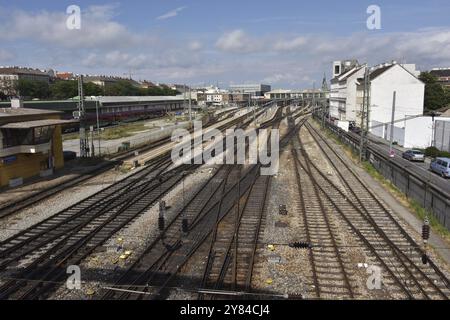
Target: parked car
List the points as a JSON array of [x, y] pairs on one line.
[[441, 166], [414, 155]]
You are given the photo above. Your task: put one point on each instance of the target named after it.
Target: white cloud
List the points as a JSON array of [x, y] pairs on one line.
[[195, 45], [5, 55], [171, 14], [291, 44], [97, 29], [103, 45], [237, 41]]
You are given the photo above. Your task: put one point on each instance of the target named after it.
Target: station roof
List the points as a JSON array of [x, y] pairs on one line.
[[17, 112], [125, 99], [36, 124]]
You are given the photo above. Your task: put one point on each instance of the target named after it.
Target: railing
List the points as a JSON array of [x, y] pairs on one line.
[[424, 191]]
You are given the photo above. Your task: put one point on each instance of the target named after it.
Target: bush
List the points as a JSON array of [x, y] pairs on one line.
[[435, 152], [432, 152]]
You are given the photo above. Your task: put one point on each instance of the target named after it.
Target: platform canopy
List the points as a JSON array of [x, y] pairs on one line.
[[37, 124]]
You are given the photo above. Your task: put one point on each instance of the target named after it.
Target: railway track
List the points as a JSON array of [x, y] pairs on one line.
[[227, 241], [233, 245], [66, 240], [151, 273], [44, 250], [11, 208], [374, 225], [331, 267]]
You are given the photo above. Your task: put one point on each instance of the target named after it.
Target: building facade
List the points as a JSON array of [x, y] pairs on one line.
[[347, 94], [252, 89], [30, 144], [343, 89], [443, 76], [9, 76], [410, 92], [296, 94]]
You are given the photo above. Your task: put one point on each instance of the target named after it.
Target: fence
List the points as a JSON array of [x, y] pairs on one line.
[[409, 182]]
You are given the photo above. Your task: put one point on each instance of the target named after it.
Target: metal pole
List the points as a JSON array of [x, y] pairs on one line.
[[392, 123], [367, 102], [98, 128], [361, 139], [190, 104], [83, 138], [92, 142], [364, 113]]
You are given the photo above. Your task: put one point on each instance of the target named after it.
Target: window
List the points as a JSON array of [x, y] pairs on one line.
[[337, 69]]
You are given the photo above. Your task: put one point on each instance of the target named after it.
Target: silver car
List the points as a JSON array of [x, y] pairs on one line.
[[414, 155]]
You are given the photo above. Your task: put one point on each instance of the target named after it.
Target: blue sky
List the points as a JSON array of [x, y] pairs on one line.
[[286, 43]]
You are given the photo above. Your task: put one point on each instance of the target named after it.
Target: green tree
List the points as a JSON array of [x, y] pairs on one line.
[[64, 89], [435, 95], [91, 89], [33, 89], [122, 88]]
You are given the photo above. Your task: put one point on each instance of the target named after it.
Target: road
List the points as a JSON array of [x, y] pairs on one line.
[[422, 169]]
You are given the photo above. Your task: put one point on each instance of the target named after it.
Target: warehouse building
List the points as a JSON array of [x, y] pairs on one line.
[[252, 89], [30, 143], [112, 109]]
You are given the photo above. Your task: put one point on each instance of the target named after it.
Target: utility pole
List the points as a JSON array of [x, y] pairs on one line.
[[364, 114], [184, 99], [84, 144], [190, 104], [392, 125], [98, 127], [314, 98], [92, 142]]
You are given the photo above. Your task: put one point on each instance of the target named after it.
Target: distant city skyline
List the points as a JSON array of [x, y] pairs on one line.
[[287, 44]]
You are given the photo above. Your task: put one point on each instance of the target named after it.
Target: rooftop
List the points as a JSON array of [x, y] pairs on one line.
[[19, 70], [441, 72], [37, 124], [10, 112], [380, 71], [112, 99]]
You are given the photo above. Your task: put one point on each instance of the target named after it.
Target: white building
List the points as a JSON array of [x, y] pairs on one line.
[[384, 80], [296, 94], [343, 89], [253, 89], [215, 96]]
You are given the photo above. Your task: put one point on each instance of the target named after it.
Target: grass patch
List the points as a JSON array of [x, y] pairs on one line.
[[122, 131], [413, 205]]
